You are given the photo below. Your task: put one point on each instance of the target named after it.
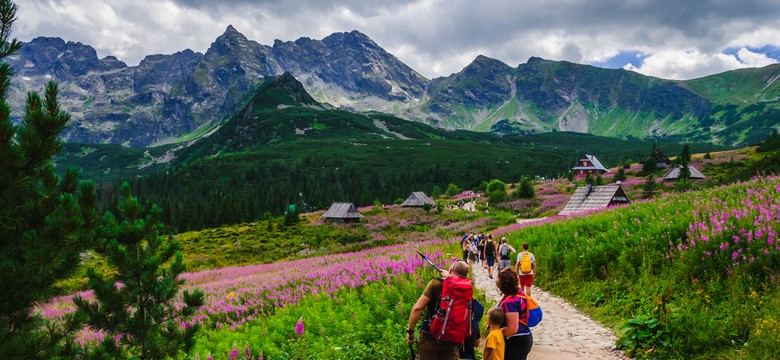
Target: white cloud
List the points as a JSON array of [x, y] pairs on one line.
[[690, 64], [753, 59], [434, 37]]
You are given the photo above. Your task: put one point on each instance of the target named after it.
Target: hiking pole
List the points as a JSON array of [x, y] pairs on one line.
[[430, 262], [411, 350]]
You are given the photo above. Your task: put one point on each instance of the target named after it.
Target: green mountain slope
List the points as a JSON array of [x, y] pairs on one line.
[[282, 148], [733, 108]]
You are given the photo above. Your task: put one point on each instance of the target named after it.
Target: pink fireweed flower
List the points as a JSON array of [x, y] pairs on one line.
[[299, 326]]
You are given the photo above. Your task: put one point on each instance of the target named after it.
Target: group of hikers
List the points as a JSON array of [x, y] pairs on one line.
[[450, 315]]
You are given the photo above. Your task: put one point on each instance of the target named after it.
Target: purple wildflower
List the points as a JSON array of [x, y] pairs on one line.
[[299, 326]]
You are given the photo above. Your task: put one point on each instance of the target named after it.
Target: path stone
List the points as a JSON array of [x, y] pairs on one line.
[[564, 333]]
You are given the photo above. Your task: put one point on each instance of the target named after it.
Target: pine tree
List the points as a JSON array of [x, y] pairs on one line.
[[143, 313], [621, 174], [683, 161], [648, 190], [651, 163], [46, 222]]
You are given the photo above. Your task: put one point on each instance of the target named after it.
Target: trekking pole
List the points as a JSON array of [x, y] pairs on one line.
[[430, 262], [411, 350]]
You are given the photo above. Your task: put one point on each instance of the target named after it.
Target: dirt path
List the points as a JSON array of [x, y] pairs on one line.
[[564, 333]]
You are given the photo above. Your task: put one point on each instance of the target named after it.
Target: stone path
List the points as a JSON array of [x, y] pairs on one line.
[[564, 333]]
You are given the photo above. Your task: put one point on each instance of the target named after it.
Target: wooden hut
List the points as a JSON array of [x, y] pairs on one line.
[[342, 212], [418, 199], [588, 165], [674, 175], [590, 197]]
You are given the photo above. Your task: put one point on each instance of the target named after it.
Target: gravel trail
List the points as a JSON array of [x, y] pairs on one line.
[[564, 333]]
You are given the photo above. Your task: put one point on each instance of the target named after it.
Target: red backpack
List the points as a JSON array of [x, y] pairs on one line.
[[452, 321]]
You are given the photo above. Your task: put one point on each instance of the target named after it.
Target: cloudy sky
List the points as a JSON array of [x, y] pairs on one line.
[[676, 39]]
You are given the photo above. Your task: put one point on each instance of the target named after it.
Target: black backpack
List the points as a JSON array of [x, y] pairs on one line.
[[490, 249]]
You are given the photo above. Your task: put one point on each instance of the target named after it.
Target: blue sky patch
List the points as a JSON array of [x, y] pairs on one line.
[[771, 51], [620, 60]]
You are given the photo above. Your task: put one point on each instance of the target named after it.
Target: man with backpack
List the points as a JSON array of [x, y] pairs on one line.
[[504, 254], [490, 254], [526, 269], [446, 323]]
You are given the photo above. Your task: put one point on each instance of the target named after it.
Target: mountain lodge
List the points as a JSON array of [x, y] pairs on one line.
[[588, 165]]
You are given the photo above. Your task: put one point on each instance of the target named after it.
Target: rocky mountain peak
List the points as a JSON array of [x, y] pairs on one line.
[[353, 37], [483, 63], [230, 38]]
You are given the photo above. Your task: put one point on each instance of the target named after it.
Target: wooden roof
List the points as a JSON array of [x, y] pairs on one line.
[[587, 198], [418, 199], [596, 164], [675, 173], [342, 210]]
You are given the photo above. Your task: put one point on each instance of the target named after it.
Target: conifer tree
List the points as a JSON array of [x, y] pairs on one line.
[[651, 163], [648, 190], [684, 161], [144, 313], [621, 174], [46, 221]]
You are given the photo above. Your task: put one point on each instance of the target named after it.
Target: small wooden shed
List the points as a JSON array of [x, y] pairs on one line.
[[342, 212], [418, 199], [590, 197]]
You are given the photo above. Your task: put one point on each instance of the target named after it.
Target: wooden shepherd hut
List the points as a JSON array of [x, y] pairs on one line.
[[591, 197], [588, 165], [418, 199], [342, 212], [674, 175]]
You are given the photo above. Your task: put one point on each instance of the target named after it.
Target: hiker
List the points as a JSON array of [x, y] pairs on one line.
[[470, 250], [494, 345], [468, 351], [427, 345], [464, 245], [481, 246], [504, 254], [517, 335], [490, 250], [526, 267]]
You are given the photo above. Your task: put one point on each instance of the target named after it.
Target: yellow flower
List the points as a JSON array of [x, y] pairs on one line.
[[753, 295], [699, 292]]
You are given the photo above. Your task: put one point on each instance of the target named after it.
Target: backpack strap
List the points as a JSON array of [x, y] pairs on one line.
[[527, 307]]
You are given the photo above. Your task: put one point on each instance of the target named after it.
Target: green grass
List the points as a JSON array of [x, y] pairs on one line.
[[618, 265]]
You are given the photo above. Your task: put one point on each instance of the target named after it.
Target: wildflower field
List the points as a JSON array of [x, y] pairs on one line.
[[688, 275], [338, 306]]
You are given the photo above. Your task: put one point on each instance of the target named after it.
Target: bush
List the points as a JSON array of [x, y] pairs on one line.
[[453, 190], [525, 190], [496, 191]]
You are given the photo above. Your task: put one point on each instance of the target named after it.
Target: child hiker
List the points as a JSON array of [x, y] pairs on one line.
[[494, 345]]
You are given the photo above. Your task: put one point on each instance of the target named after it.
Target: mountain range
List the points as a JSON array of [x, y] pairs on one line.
[[282, 145], [168, 98]]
